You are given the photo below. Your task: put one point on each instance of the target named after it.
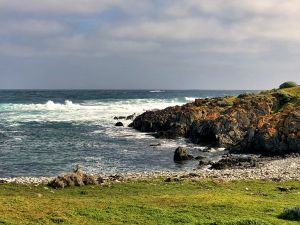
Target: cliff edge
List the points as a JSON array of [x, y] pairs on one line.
[[267, 122]]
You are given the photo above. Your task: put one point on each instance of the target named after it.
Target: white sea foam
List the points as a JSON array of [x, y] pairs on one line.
[[190, 99], [98, 112], [156, 91]]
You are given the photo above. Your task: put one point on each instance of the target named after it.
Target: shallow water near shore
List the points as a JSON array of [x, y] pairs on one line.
[[43, 133]]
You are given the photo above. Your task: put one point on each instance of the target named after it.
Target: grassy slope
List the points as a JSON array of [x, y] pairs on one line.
[[293, 91], [152, 202]]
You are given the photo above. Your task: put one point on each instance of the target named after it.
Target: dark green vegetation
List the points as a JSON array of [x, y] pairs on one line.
[[151, 202], [291, 213], [288, 84]]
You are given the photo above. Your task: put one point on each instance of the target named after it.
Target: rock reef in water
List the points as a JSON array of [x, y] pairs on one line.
[[267, 122]]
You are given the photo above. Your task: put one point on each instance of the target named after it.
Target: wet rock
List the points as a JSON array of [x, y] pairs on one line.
[[130, 125], [130, 117], [155, 145], [119, 124], [200, 157], [203, 163], [119, 117], [181, 154]]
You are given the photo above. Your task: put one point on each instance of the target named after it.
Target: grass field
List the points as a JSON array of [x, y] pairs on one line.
[[151, 202]]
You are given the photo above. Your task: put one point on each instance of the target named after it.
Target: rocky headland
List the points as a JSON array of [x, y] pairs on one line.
[[267, 122]]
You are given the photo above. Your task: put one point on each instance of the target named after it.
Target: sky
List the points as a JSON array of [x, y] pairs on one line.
[[149, 44]]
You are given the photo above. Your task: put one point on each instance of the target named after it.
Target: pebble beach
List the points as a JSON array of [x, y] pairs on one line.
[[275, 170]]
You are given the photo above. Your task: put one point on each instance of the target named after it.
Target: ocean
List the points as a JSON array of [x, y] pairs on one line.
[[47, 132]]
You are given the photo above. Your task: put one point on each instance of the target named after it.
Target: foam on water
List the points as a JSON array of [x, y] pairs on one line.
[[156, 91], [190, 99], [89, 110], [48, 132]]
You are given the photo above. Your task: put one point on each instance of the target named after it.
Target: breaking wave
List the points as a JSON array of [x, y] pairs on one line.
[[90, 110], [156, 91]]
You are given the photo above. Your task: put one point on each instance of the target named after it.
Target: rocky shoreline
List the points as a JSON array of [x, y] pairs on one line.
[[267, 122], [283, 169]]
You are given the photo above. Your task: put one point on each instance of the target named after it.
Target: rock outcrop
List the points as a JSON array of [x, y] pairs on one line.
[[267, 122], [181, 154], [119, 124]]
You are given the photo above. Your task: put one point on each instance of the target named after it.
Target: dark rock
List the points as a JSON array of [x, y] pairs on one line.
[[230, 161], [119, 117], [181, 154], [130, 117], [155, 145], [266, 123], [172, 179], [100, 180], [190, 175], [116, 177], [203, 163], [199, 157], [3, 181], [286, 189], [119, 124]]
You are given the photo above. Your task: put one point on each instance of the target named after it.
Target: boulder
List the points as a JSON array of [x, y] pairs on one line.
[[119, 124], [181, 154], [130, 117], [229, 162]]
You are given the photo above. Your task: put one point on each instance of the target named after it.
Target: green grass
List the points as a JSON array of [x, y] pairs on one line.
[[152, 202], [293, 91]]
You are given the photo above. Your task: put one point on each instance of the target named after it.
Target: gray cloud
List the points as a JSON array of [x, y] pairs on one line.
[[148, 44]]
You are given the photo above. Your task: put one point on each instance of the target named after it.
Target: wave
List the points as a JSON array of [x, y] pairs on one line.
[[54, 106], [96, 111], [156, 91], [190, 99]]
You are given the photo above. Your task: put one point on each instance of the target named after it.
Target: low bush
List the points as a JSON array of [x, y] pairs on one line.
[[76, 178], [246, 94], [288, 84], [241, 222], [283, 97], [291, 214]]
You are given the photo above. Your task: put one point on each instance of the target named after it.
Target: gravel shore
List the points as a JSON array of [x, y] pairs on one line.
[[275, 170]]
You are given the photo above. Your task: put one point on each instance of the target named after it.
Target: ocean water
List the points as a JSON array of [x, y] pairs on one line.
[[44, 133]]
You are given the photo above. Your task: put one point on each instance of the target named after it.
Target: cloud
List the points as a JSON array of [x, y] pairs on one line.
[[31, 27], [66, 6], [160, 37]]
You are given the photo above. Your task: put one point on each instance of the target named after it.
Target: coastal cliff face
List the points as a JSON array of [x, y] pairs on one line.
[[267, 122]]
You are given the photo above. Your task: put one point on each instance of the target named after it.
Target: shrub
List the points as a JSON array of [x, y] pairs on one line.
[[283, 97], [224, 103], [76, 178], [241, 222], [245, 95], [288, 84], [291, 214]]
